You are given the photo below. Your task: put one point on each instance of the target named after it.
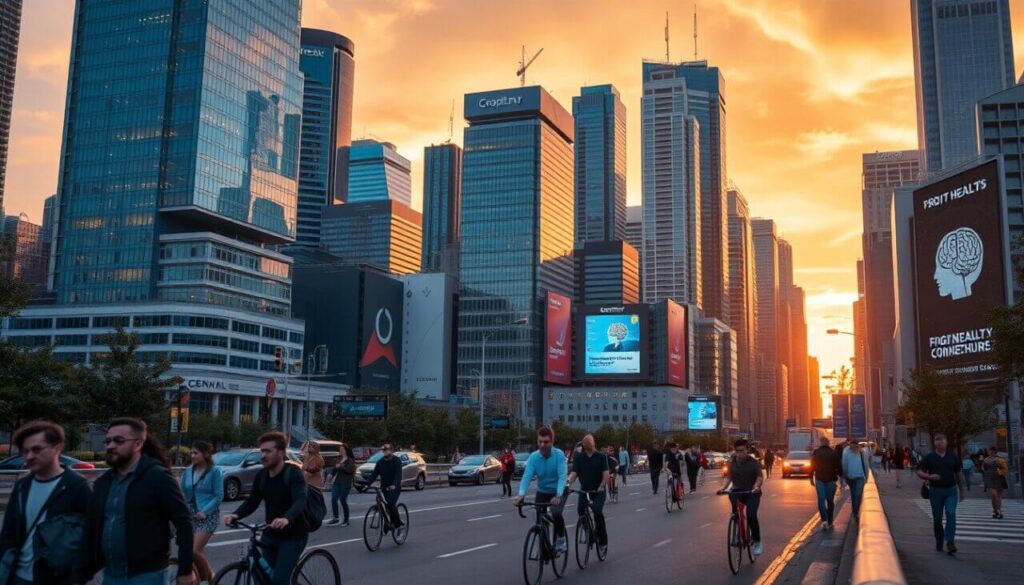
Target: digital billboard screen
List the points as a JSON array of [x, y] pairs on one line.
[[703, 413], [960, 271], [362, 407], [615, 342], [678, 348], [380, 364], [558, 340]]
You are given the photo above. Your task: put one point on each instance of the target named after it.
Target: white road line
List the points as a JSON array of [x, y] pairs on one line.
[[468, 550], [706, 525], [484, 518], [326, 544], [634, 493], [227, 542], [705, 497], [640, 509], [663, 543]]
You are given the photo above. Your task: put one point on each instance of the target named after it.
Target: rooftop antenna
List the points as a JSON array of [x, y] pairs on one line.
[[694, 31], [451, 123], [524, 64], [667, 60]]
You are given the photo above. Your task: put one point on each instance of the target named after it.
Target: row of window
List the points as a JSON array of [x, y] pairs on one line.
[[145, 321], [605, 418]]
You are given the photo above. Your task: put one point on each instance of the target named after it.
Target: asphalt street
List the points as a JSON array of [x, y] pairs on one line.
[[471, 535]]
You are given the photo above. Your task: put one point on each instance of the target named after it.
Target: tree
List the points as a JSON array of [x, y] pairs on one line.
[[945, 403], [1007, 324], [842, 381], [13, 293], [34, 385]]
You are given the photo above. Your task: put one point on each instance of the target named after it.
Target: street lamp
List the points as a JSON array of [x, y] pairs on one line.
[[838, 332], [483, 369]]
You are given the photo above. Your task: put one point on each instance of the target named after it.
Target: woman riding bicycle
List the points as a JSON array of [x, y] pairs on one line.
[[745, 474]]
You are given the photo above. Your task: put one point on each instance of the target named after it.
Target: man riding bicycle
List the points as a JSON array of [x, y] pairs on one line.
[[674, 464], [591, 467], [550, 468], [745, 475], [389, 470]]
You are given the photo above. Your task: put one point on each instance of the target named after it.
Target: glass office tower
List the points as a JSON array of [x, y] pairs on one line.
[[442, 198], [10, 27], [600, 164], [386, 234], [377, 172], [516, 235]]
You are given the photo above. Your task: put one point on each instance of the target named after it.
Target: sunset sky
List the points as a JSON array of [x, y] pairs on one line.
[[810, 85]]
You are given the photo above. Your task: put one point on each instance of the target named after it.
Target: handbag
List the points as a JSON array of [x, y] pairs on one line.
[[926, 492]]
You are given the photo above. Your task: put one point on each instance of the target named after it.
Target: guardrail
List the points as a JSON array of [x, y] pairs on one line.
[[875, 561]]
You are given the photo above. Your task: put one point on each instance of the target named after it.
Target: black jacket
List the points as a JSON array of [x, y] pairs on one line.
[[389, 471], [825, 464], [344, 473], [71, 496], [153, 502], [655, 459]]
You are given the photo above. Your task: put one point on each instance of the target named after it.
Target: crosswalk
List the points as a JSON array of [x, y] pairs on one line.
[[974, 522]]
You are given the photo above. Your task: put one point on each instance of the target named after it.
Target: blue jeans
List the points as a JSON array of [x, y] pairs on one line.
[[752, 502], [944, 499], [967, 477], [282, 554], [154, 578], [856, 493], [826, 499], [339, 493]]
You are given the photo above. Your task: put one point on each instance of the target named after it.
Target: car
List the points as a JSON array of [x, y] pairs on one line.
[[414, 470], [478, 469], [797, 463], [716, 460], [17, 462], [642, 465], [363, 454], [240, 466], [520, 464]]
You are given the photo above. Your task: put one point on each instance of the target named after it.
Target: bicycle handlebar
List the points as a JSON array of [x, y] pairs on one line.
[[249, 527], [519, 507]]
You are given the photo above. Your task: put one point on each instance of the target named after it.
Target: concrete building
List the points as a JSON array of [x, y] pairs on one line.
[[383, 233], [591, 407], [31, 252], [442, 205], [607, 273], [814, 387], [860, 333], [717, 366], [377, 172], [772, 399], [600, 164], [428, 336], [10, 32], [799, 393], [743, 305]]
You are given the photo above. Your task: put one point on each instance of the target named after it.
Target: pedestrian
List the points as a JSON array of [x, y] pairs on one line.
[[456, 456], [282, 490], [48, 496], [344, 474], [943, 473], [692, 466], [389, 469], [855, 473], [825, 469], [769, 462], [313, 466], [655, 461], [885, 461], [623, 463], [203, 486], [968, 464], [133, 506], [508, 467], [996, 471]]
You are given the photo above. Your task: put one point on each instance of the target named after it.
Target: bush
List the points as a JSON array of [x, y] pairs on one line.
[[83, 455]]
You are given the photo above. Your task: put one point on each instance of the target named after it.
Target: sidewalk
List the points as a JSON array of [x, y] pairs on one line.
[[989, 550]]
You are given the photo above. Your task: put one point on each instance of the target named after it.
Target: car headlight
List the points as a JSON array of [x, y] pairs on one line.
[[786, 464]]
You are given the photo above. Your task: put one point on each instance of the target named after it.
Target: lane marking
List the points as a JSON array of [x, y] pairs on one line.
[[484, 518], [326, 544], [708, 524], [640, 509], [774, 570], [663, 543], [634, 493], [468, 550]]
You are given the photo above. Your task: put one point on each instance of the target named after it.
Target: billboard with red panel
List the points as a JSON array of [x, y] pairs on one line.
[[558, 344], [678, 348]]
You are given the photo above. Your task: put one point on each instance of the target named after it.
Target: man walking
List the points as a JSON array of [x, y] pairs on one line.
[[591, 467], [623, 463], [133, 505], [281, 488], [655, 461], [47, 493], [855, 474], [825, 468], [550, 467], [508, 467], [944, 472], [769, 462], [692, 466]]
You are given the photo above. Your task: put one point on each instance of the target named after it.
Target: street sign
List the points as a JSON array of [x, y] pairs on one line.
[[174, 419], [841, 416], [271, 387], [501, 422], [858, 417], [821, 423], [361, 407], [790, 423]]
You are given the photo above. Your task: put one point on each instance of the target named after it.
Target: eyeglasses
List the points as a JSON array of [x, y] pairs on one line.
[[117, 440]]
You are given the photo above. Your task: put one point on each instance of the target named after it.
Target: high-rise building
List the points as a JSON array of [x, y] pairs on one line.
[[10, 31], [31, 252], [670, 260], [386, 234], [635, 228], [516, 235], [699, 91], [717, 365], [814, 387], [608, 273], [785, 323], [743, 305], [600, 164], [327, 62], [377, 172], [799, 395], [442, 201], [49, 220], [963, 52], [772, 399]]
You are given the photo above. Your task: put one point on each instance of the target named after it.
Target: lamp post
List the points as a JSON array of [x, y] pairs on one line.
[[483, 369]]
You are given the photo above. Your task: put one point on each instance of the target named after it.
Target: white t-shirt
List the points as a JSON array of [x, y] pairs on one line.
[[38, 493]]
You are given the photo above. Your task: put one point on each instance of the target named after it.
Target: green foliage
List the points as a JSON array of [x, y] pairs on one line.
[[945, 403], [34, 385], [13, 293], [707, 442]]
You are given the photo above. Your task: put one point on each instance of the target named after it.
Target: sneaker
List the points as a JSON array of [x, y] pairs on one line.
[[333, 521], [757, 549], [401, 532], [603, 549], [344, 524], [831, 526], [693, 491], [824, 525], [561, 546], [951, 549]]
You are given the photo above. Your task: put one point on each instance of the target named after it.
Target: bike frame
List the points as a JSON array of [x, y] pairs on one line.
[[257, 575], [547, 524]]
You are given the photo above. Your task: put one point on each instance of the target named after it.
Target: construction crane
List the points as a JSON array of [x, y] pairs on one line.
[[524, 64]]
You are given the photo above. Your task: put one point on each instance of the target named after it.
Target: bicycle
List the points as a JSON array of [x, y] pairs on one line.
[[674, 495], [586, 534], [539, 548], [377, 522], [612, 489], [739, 534], [315, 567]]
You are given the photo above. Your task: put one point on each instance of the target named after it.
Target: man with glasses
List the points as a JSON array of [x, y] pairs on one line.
[[389, 469], [551, 469], [134, 504]]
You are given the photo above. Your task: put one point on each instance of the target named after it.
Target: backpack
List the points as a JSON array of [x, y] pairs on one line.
[[316, 508]]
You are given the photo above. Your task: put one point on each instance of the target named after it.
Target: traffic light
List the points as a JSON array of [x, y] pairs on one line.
[[278, 358]]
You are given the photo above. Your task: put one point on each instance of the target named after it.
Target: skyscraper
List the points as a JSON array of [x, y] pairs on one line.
[[963, 51], [516, 234], [49, 219], [386, 234], [328, 66], [600, 164], [608, 273], [10, 31], [743, 305], [799, 392], [442, 200], [670, 261], [772, 401], [377, 172], [30, 254], [635, 228], [814, 387], [701, 89]]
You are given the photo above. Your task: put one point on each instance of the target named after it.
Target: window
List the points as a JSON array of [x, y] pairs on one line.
[[245, 345], [72, 323], [152, 321], [246, 328], [295, 337], [251, 459], [200, 322], [71, 340], [275, 333], [197, 339], [112, 322], [30, 340], [153, 338], [31, 323], [245, 363]]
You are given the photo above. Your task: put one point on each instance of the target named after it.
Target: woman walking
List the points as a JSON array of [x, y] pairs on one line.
[[855, 474], [313, 466], [203, 485], [344, 473], [508, 467], [968, 469], [995, 480]]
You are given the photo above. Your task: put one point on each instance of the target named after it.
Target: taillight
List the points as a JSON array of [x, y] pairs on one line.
[[83, 465]]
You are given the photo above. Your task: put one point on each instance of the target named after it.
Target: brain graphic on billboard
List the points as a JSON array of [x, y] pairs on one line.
[[958, 262], [615, 342]]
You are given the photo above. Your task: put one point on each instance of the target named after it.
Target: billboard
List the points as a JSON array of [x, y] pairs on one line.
[[329, 302], [841, 416], [427, 335], [858, 417], [380, 361], [960, 272], [678, 346], [362, 407], [821, 423], [703, 413], [615, 342], [558, 340]]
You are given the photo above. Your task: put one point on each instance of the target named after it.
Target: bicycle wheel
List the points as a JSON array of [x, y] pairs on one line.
[[681, 499], [734, 547], [403, 513], [316, 567], [560, 563], [670, 489], [533, 556], [237, 573], [373, 528], [750, 543], [584, 542]]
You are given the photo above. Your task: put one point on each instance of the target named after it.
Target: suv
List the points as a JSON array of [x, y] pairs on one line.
[[240, 466], [414, 470]]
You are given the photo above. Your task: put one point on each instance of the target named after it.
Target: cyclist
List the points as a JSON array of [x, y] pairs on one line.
[[674, 464], [550, 468], [745, 475], [591, 467], [282, 490], [389, 470]]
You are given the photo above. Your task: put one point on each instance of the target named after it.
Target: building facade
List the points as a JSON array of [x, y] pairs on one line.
[[31, 253], [717, 366], [607, 273], [10, 32], [428, 336], [442, 205], [600, 164], [516, 236], [772, 399], [386, 234], [743, 305], [591, 407], [963, 52], [799, 393], [635, 227], [814, 387], [327, 62], [377, 172]]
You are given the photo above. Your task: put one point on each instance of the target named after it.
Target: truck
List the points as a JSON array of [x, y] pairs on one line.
[[805, 438]]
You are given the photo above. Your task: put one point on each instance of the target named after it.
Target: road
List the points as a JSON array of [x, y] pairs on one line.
[[471, 535]]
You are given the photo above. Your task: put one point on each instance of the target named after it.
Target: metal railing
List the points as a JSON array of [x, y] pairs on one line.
[[875, 561]]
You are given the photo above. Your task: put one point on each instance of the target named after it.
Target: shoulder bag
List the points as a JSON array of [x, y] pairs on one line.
[[9, 562]]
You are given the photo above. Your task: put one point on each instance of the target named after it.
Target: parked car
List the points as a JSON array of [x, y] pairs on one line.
[[414, 470], [329, 450], [797, 463], [642, 465], [520, 464], [478, 469], [240, 466], [363, 454], [716, 460], [17, 462]]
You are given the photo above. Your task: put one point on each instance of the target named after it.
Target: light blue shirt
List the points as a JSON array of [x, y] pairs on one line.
[[853, 469], [551, 472], [208, 492], [624, 459]]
